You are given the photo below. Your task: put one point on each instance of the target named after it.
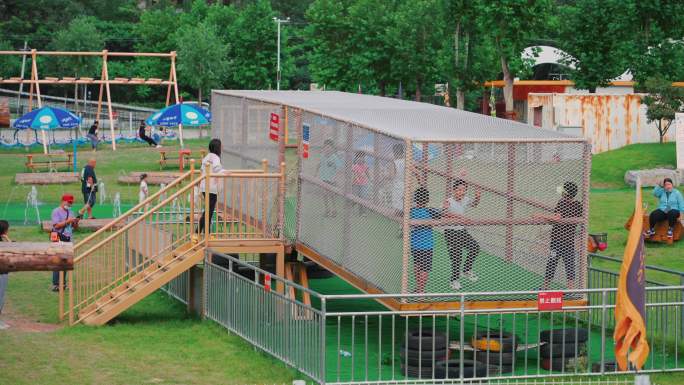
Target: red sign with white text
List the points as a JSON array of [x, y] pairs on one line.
[[274, 127], [267, 282], [550, 300]]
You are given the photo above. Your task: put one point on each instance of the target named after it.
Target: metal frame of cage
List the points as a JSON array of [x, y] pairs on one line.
[[366, 282]]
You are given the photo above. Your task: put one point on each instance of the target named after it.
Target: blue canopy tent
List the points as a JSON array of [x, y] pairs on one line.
[[180, 115], [47, 118]]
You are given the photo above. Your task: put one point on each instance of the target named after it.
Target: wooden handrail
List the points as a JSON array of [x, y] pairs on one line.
[[133, 210]]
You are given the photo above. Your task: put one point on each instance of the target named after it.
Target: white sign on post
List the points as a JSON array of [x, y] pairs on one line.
[[679, 126]]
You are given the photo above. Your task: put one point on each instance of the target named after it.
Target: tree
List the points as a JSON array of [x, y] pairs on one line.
[[601, 52], [663, 102], [512, 25], [202, 57]]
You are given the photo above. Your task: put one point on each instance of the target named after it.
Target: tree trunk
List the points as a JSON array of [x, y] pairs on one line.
[[418, 86], [508, 85], [36, 256], [460, 98], [383, 88]]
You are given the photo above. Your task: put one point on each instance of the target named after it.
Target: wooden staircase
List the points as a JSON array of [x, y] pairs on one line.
[[159, 272]]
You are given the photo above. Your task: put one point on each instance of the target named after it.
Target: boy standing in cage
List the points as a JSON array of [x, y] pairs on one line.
[[360, 179], [327, 169], [563, 235], [457, 237], [422, 238]]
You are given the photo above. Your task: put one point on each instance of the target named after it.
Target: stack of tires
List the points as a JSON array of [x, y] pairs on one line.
[[420, 352], [563, 349], [496, 349]]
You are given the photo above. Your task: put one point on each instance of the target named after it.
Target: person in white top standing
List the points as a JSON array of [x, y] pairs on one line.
[[213, 160], [457, 237], [142, 195]]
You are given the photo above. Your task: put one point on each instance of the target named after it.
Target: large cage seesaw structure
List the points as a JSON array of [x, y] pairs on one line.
[[403, 197], [104, 82]]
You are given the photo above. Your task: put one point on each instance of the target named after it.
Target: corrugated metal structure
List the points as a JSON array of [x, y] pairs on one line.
[[400, 197], [609, 121]]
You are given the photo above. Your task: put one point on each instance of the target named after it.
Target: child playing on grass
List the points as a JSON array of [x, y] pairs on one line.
[[360, 179], [142, 195], [563, 235], [422, 238], [457, 237], [327, 169], [4, 237]]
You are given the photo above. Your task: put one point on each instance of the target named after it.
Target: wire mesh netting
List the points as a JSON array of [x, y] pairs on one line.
[[492, 214]]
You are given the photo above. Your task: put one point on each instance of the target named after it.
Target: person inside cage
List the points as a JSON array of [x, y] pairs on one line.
[[422, 237], [456, 236], [670, 204], [563, 235], [398, 177], [361, 179], [328, 167]]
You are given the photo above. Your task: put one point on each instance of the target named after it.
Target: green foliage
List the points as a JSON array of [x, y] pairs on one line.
[[663, 101], [201, 57], [80, 35]]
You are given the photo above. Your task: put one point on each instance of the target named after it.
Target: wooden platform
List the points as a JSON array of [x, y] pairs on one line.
[[87, 224], [394, 304], [155, 177], [46, 178]]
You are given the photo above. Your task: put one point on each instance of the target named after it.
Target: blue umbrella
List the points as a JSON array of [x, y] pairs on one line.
[[180, 114], [47, 118]]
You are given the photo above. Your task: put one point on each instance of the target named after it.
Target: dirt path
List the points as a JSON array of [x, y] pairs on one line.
[[21, 324]]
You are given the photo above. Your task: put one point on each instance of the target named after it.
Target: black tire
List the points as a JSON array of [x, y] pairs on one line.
[[608, 367], [503, 369], [470, 369], [567, 350], [415, 372], [494, 358], [558, 335], [502, 341], [559, 364], [426, 340], [426, 358]]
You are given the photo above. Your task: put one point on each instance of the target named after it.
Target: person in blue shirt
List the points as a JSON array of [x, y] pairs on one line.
[[422, 237], [670, 204]]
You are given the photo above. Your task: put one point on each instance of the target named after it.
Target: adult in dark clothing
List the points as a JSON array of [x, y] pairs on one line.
[[563, 235], [143, 135], [92, 135], [89, 186]]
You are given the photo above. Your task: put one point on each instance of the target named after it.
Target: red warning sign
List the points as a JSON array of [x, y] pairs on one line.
[[274, 133], [550, 300]]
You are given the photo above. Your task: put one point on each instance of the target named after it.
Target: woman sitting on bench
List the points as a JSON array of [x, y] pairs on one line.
[[671, 203]]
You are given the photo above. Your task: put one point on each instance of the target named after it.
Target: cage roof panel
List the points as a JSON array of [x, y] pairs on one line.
[[405, 119]]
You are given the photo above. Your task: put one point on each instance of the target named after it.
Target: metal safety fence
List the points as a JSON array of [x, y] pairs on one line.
[[350, 339]]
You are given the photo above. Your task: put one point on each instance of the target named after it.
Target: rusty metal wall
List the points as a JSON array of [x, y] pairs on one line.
[[609, 121]]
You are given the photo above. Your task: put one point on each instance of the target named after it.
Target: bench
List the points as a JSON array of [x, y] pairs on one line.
[[660, 230], [182, 158], [46, 178], [53, 161]]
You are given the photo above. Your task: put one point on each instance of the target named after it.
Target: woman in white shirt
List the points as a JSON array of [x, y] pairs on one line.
[[142, 195], [213, 159]]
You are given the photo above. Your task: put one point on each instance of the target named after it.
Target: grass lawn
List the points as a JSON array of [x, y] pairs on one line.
[[157, 342]]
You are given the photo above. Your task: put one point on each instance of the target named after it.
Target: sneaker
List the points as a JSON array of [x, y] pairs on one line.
[[650, 233], [669, 232], [158, 146], [456, 285], [472, 277], [55, 288], [4, 326]]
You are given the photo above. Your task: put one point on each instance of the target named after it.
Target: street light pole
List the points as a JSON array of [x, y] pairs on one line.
[[279, 22]]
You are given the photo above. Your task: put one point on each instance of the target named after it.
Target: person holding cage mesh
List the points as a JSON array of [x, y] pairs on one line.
[[563, 235], [456, 236], [422, 237]]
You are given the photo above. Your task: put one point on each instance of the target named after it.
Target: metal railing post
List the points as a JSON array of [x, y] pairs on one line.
[[322, 342], [192, 197], [281, 203]]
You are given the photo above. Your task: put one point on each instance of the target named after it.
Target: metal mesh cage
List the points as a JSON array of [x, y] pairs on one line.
[[500, 207]]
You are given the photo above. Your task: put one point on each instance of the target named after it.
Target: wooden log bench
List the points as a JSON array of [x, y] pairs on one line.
[[183, 157], [153, 177], [46, 178], [660, 230], [36, 256], [51, 161], [85, 224]]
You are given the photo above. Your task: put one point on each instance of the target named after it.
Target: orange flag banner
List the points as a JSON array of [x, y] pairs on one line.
[[630, 304]]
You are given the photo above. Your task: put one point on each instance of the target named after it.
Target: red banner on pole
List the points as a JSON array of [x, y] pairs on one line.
[[550, 300], [267, 282], [274, 133]]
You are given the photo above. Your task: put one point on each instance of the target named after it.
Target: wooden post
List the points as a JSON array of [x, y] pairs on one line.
[[376, 166], [348, 205], [99, 98], [510, 185], [34, 75], [36, 256], [109, 98], [424, 165], [281, 138], [450, 152], [281, 202], [192, 197], [406, 230], [207, 190], [175, 92], [280, 269]]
